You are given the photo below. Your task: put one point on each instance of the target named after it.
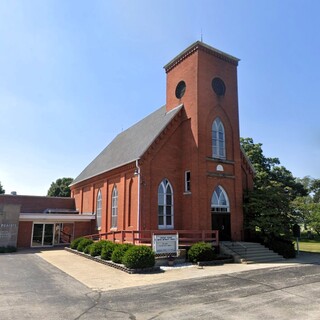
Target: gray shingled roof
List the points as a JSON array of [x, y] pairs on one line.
[[130, 144]]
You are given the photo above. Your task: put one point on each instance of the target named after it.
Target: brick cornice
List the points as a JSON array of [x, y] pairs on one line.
[[204, 47]]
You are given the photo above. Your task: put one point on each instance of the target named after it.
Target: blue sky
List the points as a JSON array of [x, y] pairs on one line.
[[73, 74]]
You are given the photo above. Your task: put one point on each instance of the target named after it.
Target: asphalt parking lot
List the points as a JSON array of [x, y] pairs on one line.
[[57, 285]]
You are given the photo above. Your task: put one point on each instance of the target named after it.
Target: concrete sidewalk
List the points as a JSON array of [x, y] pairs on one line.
[[97, 276]]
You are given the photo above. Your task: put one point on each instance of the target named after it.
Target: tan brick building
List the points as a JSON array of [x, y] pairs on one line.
[[180, 168]]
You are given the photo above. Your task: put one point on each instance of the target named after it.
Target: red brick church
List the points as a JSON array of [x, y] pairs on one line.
[[181, 167]]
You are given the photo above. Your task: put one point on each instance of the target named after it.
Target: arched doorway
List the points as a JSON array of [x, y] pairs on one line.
[[220, 212]]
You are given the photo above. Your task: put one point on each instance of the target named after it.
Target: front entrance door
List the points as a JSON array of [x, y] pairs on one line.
[[221, 222], [42, 235]]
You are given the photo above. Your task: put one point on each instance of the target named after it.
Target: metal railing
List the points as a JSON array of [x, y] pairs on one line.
[[242, 246]]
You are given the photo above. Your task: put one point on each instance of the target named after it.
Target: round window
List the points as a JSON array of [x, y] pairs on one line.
[[218, 86], [180, 89]]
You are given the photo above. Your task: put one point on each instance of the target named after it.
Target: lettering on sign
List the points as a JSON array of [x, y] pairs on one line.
[[165, 244]]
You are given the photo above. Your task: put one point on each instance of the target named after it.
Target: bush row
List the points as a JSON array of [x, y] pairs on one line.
[[135, 257], [131, 256], [281, 246], [8, 249]]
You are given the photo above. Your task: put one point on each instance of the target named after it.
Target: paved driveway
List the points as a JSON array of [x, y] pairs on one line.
[[32, 288]]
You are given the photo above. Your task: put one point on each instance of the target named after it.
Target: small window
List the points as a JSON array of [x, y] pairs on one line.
[[187, 186]]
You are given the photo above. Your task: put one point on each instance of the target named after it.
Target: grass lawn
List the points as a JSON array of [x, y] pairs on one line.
[[309, 245]]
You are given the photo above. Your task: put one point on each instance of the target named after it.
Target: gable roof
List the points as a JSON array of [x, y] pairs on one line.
[[130, 144]]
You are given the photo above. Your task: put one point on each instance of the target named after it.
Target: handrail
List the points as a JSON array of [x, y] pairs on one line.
[[186, 237], [241, 245]]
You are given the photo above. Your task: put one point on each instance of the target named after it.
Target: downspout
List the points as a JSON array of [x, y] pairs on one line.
[[137, 172]]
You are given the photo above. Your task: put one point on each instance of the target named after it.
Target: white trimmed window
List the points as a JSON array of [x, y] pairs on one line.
[[187, 179], [99, 209], [220, 201], [114, 208], [165, 205], [218, 140]]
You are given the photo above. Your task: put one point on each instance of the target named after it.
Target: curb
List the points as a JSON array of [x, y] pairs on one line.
[[120, 267]]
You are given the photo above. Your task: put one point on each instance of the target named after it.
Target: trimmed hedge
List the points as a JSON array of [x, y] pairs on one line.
[[107, 250], [119, 252], [83, 244], [74, 243], [138, 257], [281, 246], [86, 250], [201, 251], [96, 248]]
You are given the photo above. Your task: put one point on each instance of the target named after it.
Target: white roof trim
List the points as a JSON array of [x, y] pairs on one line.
[[55, 217]]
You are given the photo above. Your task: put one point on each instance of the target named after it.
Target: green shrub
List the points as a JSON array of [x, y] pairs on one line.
[[74, 243], [138, 257], [119, 251], [96, 248], [282, 246], [8, 249], [107, 250], [201, 251], [83, 244], [86, 250]]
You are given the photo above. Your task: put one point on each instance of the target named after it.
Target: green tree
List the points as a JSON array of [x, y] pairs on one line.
[[268, 206], [314, 217], [307, 208], [60, 188], [2, 191]]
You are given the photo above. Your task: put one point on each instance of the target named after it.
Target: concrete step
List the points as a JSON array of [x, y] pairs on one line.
[[247, 252]]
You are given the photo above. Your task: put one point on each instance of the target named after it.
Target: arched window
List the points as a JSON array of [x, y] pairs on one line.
[[165, 205], [130, 203], [220, 201], [99, 209], [114, 208], [218, 140]]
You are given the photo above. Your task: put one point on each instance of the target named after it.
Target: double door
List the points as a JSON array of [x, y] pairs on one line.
[[49, 234], [42, 235]]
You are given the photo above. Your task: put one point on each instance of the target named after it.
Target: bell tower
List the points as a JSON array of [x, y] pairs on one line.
[[204, 80]]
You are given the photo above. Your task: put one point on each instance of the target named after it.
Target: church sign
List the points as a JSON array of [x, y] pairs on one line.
[[9, 223], [165, 244]]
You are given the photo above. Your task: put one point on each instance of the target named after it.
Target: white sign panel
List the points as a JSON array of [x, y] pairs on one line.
[[165, 243]]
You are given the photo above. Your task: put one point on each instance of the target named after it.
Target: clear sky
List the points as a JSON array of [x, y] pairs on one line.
[[74, 74]]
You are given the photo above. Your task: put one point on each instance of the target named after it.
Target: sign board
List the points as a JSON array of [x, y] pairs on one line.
[[165, 243], [9, 223]]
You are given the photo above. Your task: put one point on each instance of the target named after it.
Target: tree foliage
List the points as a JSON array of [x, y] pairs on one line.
[[307, 208], [268, 206], [60, 188], [2, 191]]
